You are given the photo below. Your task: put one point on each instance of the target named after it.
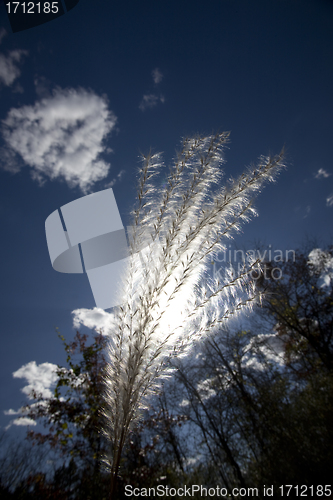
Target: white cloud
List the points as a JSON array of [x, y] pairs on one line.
[[8, 160], [150, 101], [61, 137], [322, 174], [323, 261], [23, 421], [12, 412], [316, 257], [95, 318], [40, 378], [9, 70], [271, 346], [19, 421], [205, 389], [329, 200], [157, 76]]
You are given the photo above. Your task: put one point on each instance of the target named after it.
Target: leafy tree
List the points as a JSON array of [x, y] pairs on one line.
[[18, 463], [73, 415], [155, 451], [300, 308], [73, 418], [261, 401], [230, 403], [251, 407]]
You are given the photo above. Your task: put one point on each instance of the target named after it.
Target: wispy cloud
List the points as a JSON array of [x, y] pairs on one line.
[[42, 86], [307, 211], [115, 179], [3, 33], [40, 378], [12, 412], [9, 70], [329, 200], [150, 101], [157, 76], [322, 174], [21, 420], [95, 318], [60, 137]]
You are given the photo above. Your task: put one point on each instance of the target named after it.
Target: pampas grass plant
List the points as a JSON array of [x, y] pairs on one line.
[[170, 300]]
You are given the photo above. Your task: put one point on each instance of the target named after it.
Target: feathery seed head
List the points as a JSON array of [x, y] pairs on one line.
[[169, 299]]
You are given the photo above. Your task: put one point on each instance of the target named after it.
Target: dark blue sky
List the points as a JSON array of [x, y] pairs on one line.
[[140, 75]]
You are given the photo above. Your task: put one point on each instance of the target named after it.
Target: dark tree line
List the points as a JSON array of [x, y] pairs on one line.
[[252, 406]]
